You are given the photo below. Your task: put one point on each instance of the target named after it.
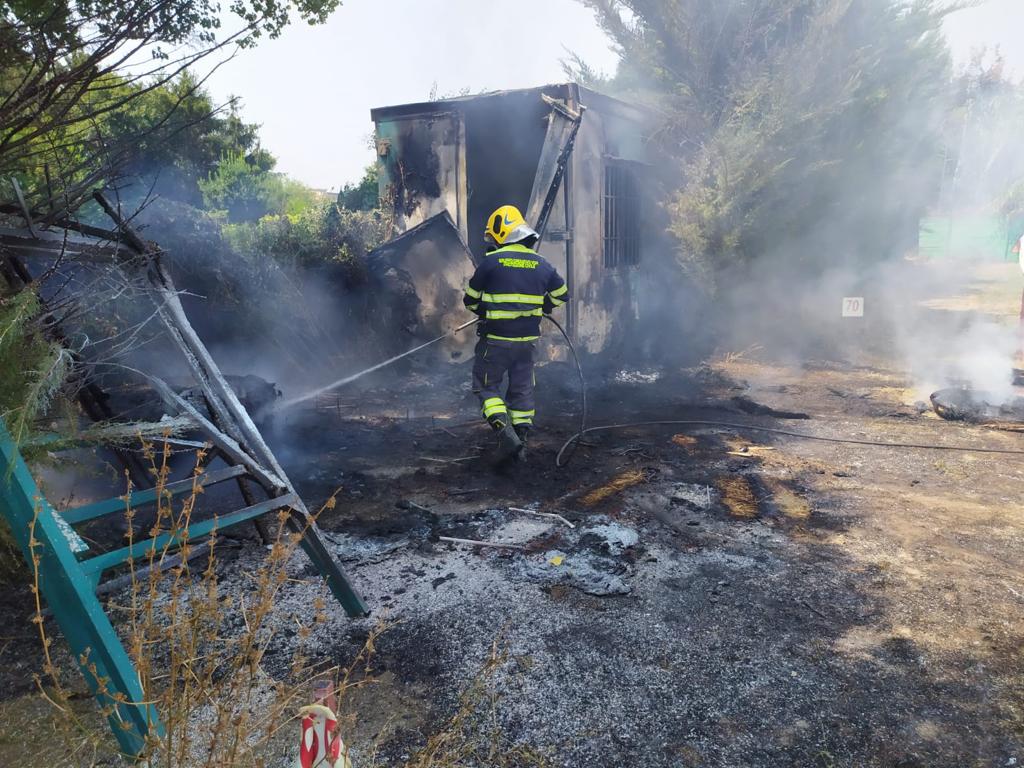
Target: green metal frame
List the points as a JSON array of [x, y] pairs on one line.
[[70, 592], [68, 578]]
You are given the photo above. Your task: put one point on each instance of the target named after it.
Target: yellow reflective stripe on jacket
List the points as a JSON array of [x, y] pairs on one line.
[[473, 307], [559, 291], [512, 314], [513, 298], [496, 337], [557, 302], [472, 293]]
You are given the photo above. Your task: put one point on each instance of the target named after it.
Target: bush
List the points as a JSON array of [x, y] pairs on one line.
[[317, 235]]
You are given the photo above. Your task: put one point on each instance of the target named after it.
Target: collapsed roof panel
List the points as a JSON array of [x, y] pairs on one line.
[[419, 278]]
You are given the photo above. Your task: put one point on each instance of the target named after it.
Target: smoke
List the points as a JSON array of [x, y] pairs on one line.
[[819, 209], [941, 324], [784, 217], [292, 324]]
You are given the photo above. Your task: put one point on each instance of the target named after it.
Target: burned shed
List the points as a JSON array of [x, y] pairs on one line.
[[462, 158]]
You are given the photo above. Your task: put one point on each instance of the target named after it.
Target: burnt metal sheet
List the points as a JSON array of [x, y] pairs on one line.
[[420, 277], [422, 167]]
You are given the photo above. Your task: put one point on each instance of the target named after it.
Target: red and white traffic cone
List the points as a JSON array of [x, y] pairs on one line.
[[321, 746]]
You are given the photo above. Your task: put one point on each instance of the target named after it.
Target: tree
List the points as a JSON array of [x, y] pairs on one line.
[[983, 150], [807, 131], [178, 137], [240, 185], [243, 186], [364, 196], [68, 65]]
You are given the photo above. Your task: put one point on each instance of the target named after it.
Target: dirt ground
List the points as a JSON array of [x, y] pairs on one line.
[[725, 597]]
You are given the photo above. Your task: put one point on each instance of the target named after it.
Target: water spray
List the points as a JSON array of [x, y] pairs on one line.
[[377, 367]]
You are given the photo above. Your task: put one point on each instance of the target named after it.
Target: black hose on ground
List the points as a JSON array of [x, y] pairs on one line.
[[771, 430]]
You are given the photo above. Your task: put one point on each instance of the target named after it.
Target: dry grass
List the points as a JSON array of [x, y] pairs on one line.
[[730, 357], [618, 484], [217, 705], [685, 441], [737, 496], [788, 502]]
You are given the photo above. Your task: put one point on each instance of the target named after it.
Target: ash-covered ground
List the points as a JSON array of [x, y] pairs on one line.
[[725, 597]]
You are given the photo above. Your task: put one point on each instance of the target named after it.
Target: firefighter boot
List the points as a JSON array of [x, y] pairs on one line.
[[523, 431], [509, 444]]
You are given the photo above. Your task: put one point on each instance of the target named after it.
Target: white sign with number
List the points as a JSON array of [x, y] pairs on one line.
[[853, 306]]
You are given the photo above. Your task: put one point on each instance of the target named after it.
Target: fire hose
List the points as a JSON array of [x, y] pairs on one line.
[[371, 369], [772, 430], [424, 345]]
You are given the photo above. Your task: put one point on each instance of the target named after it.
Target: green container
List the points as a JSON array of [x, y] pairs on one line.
[[967, 238]]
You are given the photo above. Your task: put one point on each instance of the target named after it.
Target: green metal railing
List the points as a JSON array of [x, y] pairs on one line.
[[68, 575]]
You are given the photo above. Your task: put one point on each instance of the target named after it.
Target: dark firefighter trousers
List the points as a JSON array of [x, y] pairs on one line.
[[492, 362]]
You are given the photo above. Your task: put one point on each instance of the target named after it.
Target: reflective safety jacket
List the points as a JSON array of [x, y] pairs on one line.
[[510, 290]]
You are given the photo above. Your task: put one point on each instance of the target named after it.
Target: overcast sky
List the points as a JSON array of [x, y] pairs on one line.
[[312, 89]]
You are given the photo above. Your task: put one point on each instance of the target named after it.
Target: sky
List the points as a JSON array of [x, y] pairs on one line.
[[990, 24], [312, 89]]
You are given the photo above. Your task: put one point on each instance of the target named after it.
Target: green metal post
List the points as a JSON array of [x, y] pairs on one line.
[[69, 592]]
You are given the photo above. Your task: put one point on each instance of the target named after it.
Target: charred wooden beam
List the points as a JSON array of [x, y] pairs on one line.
[[237, 436]]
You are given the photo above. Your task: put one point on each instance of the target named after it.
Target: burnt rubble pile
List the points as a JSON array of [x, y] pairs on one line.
[[964, 404]]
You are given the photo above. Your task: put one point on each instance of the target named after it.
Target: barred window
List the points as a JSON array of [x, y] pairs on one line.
[[620, 215]]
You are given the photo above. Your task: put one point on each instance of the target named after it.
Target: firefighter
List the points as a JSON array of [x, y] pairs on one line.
[[510, 290]]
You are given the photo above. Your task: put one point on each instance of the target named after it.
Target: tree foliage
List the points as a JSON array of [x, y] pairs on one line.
[[32, 367], [69, 65], [983, 152], [179, 137], [364, 196], [806, 131]]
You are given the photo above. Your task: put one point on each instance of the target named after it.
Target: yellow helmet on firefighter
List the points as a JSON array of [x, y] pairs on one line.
[[507, 226]]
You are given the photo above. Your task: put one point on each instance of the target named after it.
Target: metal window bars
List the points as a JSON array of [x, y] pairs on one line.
[[620, 215]]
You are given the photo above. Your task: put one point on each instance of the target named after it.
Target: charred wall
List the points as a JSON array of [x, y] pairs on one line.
[[609, 299], [422, 164], [504, 136]]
